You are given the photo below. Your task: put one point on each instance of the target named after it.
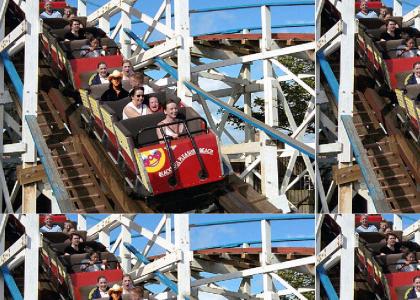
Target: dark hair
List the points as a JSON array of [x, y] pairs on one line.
[[135, 89], [74, 20], [101, 63], [414, 279], [409, 38], [138, 76], [409, 252], [416, 63], [169, 101], [390, 234], [138, 290], [99, 278], [73, 234], [389, 21], [93, 252], [92, 38]]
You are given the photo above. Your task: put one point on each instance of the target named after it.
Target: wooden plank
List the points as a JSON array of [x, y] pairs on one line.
[[54, 179], [369, 176], [30, 175], [346, 175]]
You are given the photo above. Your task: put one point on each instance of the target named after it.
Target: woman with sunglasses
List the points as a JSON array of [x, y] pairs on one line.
[[135, 107]]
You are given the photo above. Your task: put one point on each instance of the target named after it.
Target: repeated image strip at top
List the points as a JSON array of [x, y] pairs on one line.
[[157, 106], [368, 93], [368, 256], [155, 256]]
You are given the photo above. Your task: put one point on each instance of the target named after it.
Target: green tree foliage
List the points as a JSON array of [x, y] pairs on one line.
[[296, 96], [298, 280]]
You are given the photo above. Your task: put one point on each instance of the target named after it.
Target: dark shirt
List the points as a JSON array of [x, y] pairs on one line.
[[387, 37], [111, 95], [387, 250], [70, 250], [71, 37]]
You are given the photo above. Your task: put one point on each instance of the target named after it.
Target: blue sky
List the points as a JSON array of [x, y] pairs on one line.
[[213, 236]]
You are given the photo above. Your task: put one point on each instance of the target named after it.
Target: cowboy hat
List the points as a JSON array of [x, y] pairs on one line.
[[115, 288], [115, 74]]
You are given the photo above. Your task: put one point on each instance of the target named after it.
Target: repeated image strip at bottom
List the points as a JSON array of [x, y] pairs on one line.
[[153, 256], [368, 256]]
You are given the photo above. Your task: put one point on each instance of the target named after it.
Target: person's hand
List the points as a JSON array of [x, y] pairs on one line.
[[91, 49]]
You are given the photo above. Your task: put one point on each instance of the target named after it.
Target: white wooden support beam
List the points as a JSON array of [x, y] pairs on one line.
[[226, 293], [30, 99], [157, 51], [148, 234], [168, 229], [182, 243], [105, 9], [81, 222], [6, 195], [13, 36], [158, 15], [32, 252], [3, 8], [168, 15], [331, 148], [287, 285], [149, 21], [256, 56], [269, 183], [410, 230], [125, 40], [81, 8], [14, 148], [265, 260], [182, 28], [110, 222], [258, 270], [329, 36], [329, 250], [412, 15], [116, 244], [398, 225], [125, 254], [160, 264], [105, 238], [345, 101], [117, 30], [397, 11], [293, 76], [250, 167], [224, 78], [13, 250], [104, 24], [347, 225]]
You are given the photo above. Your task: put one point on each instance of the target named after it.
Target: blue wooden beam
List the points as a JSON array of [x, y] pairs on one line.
[[162, 278], [273, 133], [11, 284], [372, 183], [326, 283], [13, 74], [53, 176], [283, 240], [329, 74], [292, 25]]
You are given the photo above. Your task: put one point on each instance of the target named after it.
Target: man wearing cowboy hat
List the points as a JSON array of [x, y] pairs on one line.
[[115, 293], [115, 90]]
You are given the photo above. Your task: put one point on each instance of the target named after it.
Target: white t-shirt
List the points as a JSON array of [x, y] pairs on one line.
[[54, 14], [104, 294], [142, 110]]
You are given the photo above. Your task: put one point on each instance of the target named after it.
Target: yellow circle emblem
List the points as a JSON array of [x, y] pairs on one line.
[[153, 160]]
